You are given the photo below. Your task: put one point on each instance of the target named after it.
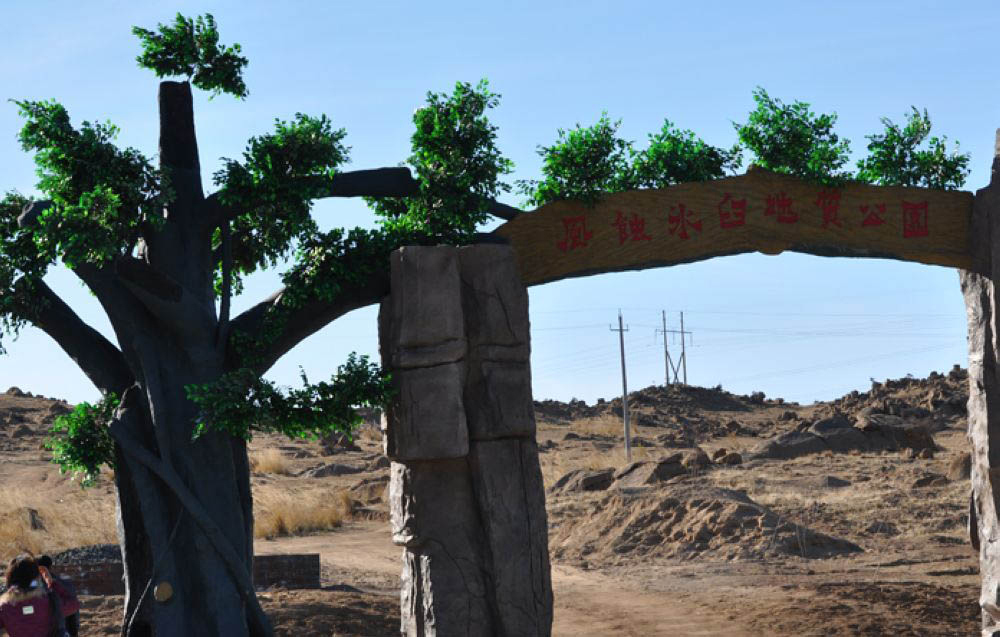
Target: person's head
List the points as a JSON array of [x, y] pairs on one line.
[[45, 561], [22, 571]]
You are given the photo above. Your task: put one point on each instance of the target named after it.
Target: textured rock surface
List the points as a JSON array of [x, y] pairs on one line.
[[466, 497], [584, 480], [507, 481], [638, 474], [981, 305]]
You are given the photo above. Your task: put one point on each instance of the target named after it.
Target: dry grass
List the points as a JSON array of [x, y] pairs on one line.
[[281, 511], [270, 460], [65, 523]]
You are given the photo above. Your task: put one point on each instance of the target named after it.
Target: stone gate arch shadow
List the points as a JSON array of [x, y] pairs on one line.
[[466, 495]]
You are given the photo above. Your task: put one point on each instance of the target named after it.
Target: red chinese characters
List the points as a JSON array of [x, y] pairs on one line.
[[633, 228], [680, 219], [576, 233], [829, 202], [732, 212], [872, 215], [780, 206], [915, 220]]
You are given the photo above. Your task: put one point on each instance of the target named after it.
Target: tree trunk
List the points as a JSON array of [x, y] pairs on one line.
[[163, 541]]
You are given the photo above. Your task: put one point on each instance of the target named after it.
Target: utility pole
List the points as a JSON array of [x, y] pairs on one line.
[[680, 368], [667, 363], [621, 341], [684, 359]]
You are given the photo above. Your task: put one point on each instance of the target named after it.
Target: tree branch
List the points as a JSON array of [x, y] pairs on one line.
[[303, 321], [222, 330], [102, 362], [375, 182]]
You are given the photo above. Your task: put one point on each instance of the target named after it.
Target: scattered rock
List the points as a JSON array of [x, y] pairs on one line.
[[960, 467], [686, 520], [328, 470], [569, 435], [584, 480], [718, 453], [833, 481], [91, 554], [25, 516], [645, 472], [22, 431], [337, 442], [695, 458], [846, 440], [790, 445], [837, 421], [380, 463], [731, 458], [880, 527], [930, 480], [370, 490], [926, 453]]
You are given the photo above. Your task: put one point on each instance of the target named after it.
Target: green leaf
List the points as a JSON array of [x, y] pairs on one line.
[[793, 140], [190, 48], [458, 166], [242, 403], [897, 159], [81, 441]]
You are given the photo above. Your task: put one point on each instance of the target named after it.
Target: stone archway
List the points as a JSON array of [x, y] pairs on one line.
[[466, 495]]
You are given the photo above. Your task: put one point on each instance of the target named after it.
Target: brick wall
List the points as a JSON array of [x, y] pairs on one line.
[[285, 571]]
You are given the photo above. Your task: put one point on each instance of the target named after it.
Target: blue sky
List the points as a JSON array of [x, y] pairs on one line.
[[796, 326]]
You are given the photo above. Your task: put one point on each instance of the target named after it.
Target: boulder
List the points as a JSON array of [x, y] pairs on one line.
[[718, 453], [901, 436], [837, 421], [379, 464], [843, 440], [695, 458], [731, 458], [790, 445], [584, 480], [646, 472]]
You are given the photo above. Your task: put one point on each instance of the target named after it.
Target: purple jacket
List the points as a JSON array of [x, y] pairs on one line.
[[29, 613]]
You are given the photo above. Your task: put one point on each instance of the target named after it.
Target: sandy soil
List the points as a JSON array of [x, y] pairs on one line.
[[914, 575]]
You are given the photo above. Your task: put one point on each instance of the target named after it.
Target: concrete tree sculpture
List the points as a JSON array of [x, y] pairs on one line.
[[183, 388]]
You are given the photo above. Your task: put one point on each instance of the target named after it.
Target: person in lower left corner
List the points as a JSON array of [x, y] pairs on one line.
[[72, 621], [25, 608]]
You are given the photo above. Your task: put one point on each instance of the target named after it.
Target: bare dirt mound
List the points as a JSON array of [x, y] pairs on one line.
[[681, 521]]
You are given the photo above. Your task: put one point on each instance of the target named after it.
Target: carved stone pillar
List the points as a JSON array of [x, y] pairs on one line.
[[983, 309], [467, 501]]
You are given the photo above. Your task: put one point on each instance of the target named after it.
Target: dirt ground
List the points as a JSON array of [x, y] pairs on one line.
[[645, 561]]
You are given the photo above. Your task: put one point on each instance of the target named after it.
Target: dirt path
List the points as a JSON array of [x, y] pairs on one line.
[[586, 603]]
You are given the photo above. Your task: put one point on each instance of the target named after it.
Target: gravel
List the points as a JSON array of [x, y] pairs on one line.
[[88, 555]]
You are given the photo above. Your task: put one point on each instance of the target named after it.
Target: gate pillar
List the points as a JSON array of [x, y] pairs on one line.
[[982, 302], [466, 496]]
